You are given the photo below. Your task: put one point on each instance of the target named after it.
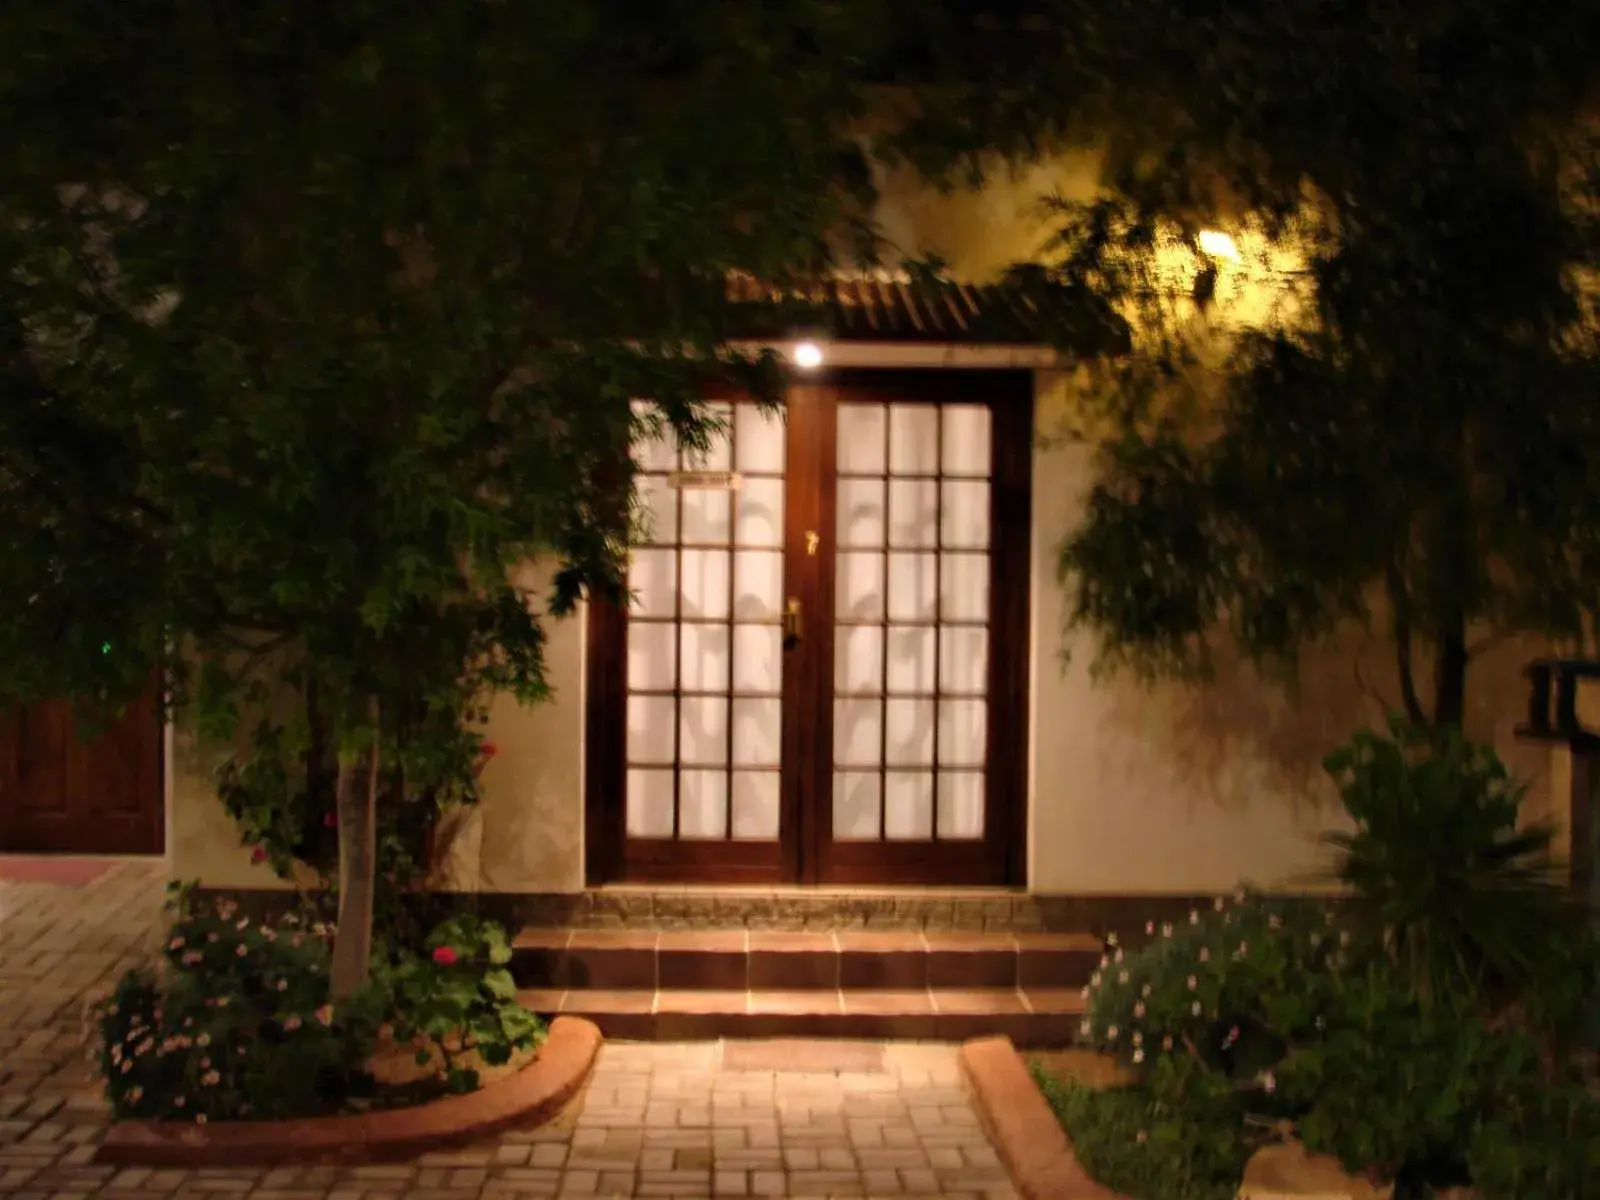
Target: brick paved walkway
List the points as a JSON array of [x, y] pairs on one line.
[[656, 1120]]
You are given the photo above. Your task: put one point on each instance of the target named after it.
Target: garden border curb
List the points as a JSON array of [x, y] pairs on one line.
[[1026, 1133], [531, 1096]]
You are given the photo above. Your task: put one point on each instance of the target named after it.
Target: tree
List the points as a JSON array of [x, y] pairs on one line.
[[316, 325], [1408, 443]]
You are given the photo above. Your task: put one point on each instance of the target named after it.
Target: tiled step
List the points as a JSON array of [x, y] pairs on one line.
[[757, 961], [1037, 1018]]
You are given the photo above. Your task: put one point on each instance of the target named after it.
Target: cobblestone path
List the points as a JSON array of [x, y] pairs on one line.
[[656, 1119]]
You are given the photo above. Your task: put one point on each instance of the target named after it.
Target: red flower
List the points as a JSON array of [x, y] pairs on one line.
[[329, 820], [258, 855], [486, 751], [445, 956]]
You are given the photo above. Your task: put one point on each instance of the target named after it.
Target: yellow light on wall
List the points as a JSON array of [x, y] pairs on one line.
[[1216, 244]]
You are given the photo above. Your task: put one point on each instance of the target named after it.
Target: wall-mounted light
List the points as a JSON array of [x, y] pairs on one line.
[[1216, 244], [807, 356]]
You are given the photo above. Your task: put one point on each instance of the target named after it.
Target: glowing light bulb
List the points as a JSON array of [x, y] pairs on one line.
[[808, 356], [1218, 245]]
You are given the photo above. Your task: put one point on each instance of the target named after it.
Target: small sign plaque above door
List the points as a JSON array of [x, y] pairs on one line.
[[710, 481]]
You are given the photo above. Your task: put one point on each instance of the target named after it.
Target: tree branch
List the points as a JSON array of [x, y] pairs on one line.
[[1400, 606]]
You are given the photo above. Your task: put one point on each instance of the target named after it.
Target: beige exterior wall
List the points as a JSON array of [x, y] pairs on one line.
[[1133, 789]]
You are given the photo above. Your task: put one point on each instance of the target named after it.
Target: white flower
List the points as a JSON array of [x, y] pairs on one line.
[[178, 1102], [203, 1040], [1111, 1033], [1244, 949], [1086, 1028], [1094, 980], [1269, 1081], [1141, 1137], [1239, 896], [283, 985], [1145, 990], [1195, 1008], [1138, 1056], [1122, 977], [1193, 983], [175, 944], [1274, 922], [1138, 1038], [1322, 1022], [241, 950], [1150, 928], [1194, 916], [211, 1078], [1205, 954], [1166, 929], [1138, 1009], [1111, 939], [1084, 993], [1166, 1042], [1119, 956], [1219, 903]]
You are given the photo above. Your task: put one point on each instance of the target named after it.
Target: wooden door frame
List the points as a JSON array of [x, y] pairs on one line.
[[1010, 392]]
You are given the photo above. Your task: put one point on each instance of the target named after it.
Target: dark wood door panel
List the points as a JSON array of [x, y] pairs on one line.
[[60, 793]]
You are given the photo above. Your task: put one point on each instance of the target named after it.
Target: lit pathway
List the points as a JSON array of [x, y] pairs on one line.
[[690, 1120]]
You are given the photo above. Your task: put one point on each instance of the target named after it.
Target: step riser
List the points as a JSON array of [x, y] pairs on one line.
[[1035, 1031], [801, 970]]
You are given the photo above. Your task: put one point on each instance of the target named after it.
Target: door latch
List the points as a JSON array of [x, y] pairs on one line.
[[792, 624], [813, 540]]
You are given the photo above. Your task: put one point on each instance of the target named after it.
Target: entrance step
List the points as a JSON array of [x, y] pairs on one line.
[[673, 984], [1036, 1020]]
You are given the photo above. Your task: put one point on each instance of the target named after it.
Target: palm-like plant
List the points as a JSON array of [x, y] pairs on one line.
[[1439, 870]]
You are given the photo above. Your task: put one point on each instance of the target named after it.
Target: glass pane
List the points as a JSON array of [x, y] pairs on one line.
[[758, 584], [653, 453], [653, 580], [718, 455], [913, 587], [652, 656], [855, 807], [966, 439], [963, 659], [966, 514], [907, 806], [858, 589], [703, 804], [755, 805], [910, 734], [650, 729], [760, 505], [859, 506], [961, 733], [913, 512], [913, 439], [860, 439], [650, 804], [703, 730], [658, 504], [705, 658], [961, 804], [911, 660], [705, 584], [858, 660], [965, 587], [757, 658], [707, 516], [758, 440], [857, 732], [757, 733]]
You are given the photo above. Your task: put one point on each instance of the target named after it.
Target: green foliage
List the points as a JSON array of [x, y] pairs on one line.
[[458, 995], [1152, 1148], [1229, 988], [1441, 872], [238, 1026], [1541, 1143], [1404, 438]]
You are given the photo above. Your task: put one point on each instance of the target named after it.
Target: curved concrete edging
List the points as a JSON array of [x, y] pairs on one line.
[[533, 1095], [1026, 1133]]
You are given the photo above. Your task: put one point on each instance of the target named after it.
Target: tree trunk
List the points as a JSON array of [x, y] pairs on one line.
[[1450, 677], [358, 869]]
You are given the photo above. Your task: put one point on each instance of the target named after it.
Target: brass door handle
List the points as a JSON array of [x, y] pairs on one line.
[[792, 621]]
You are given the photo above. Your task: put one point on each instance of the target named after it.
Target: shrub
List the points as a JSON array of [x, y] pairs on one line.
[[1229, 987], [458, 996], [1540, 1143], [237, 1026], [1181, 1135], [1439, 870]]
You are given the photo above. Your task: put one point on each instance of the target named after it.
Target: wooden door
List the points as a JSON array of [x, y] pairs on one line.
[[821, 677], [62, 794]]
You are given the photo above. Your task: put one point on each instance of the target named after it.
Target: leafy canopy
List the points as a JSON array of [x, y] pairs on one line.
[[1407, 438]]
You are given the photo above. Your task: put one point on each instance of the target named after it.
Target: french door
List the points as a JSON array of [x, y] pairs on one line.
[[821, 674]]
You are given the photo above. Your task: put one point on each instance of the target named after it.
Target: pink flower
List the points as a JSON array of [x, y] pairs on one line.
[[330, 820], [241, 950], [445, 956], [1142, 1137], [325, 1014], [175, 944]]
